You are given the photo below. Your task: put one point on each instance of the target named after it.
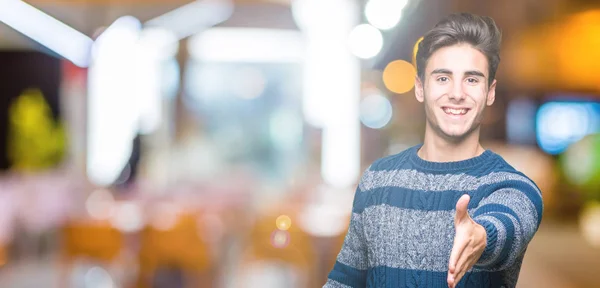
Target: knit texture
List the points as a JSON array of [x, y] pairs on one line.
[[401, 231]]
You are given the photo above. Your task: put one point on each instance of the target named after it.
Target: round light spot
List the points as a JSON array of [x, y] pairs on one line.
[[590, 223], [97, 277], [384, 14], [100, 204], [165, 216], [280, 239], [128, 217], [365, 41], [375, 111], [283, 222], [399, 76]]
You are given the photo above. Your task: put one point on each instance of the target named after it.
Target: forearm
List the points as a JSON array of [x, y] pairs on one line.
[[510, 218]]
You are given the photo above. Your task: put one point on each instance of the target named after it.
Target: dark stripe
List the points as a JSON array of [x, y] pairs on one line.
[[489, 208], [396, 277], [437, 200], [526, 189], [510, 236], [347, 275], [489, 249]]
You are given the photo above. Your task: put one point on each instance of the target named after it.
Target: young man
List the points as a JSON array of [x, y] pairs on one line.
[[447, 213]]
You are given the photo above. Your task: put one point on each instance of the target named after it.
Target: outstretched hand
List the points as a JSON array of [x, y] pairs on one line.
[[469, 243]]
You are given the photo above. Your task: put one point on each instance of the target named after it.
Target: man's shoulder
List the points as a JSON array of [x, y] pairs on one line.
[[391, 162], [502, 170]]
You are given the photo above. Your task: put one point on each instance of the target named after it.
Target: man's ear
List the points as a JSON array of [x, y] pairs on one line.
[[491, 96], [419, 89]]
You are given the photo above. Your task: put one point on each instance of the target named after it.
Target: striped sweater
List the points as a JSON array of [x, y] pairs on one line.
[[401, 231]]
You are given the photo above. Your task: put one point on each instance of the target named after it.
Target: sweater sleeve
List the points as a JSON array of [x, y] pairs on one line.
[[350, 269], [511, 216]]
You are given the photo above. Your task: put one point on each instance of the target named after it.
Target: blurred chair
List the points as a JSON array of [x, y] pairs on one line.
[[98, 241], [178, 247], [293, 247]]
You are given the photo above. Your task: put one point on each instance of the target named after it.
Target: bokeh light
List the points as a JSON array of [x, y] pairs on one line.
[[127, 217], [375, 111], [365, 41], [283, 222], [581, 163], [165, 216], [100, 204], [399, 76], [97, 277], [280, 239], [590, 223], [559, 124], [384, 14]]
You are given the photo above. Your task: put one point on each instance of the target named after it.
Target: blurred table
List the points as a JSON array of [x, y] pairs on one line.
[[559, 257]]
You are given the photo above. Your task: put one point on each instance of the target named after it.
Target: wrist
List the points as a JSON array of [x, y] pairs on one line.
[[490, 236], [480, 237]]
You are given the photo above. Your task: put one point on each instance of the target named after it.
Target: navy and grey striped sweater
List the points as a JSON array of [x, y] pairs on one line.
[[402, 226]]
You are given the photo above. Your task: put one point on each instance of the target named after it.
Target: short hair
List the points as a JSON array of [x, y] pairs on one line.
[[480, 32]]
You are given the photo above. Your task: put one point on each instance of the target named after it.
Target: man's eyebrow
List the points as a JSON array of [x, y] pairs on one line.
[[475, 73], [441, 71], [467, 73]]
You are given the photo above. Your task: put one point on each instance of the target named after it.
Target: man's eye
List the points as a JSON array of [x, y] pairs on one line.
[[442, 79], [472, 80]]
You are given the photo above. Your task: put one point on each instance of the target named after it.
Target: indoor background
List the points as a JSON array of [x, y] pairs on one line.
[[218, 143]]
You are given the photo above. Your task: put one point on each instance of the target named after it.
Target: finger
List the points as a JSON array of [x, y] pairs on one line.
[[461, 209], [457, 251], [450, 280], [457, 278], [461, 265]]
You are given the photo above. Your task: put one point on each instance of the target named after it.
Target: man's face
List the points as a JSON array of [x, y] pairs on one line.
[[455, 91]]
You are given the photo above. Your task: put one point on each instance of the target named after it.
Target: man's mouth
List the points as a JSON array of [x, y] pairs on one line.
[[455, 111]]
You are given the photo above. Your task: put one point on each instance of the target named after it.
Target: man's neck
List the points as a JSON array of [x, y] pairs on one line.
[[438, 149]]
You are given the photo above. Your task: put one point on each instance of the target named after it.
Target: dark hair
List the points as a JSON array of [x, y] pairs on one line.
[[479, 31]]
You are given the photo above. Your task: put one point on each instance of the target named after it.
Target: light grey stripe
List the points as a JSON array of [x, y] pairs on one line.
[[334, 284], [413, 179], [409, 239], [364, 178], [516, 249], [518, 202], [500, 239], [517, 246], [354, 250]]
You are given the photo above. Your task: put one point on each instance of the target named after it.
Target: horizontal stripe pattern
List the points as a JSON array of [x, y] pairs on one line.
[[416, 180], [423, 200], [522, 207], [409, 237], [402, 227], [348, 275], [500, 239], [334, 284], [382, 276]]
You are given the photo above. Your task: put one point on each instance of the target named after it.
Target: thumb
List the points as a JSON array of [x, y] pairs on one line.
[[461, 209]]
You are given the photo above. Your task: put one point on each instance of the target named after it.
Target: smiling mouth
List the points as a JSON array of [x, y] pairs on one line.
[[455, 111]]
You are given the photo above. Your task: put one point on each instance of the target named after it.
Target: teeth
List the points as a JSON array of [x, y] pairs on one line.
[[455, 111]]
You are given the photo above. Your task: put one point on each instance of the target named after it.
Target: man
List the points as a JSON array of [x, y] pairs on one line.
[[447, 213]]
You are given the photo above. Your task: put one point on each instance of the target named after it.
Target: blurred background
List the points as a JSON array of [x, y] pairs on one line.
[[178, 143]]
